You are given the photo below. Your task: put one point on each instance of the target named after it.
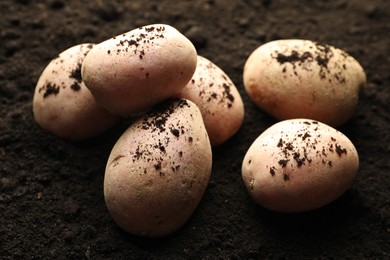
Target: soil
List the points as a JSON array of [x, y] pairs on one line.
[[51, 191]]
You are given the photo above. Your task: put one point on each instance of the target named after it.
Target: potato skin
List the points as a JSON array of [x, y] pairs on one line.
[[158, 170], [130, 73], [299, 165], [218, 100], [303, 79], [63, 105]]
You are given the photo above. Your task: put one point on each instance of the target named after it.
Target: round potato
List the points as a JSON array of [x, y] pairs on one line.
[[134, 71], [304, 79], [63, 105], [298, 165], [158, 170], [218, 100]]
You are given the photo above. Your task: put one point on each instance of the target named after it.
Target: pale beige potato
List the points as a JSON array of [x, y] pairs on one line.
[[130, 73], [63, 105], [158, 170], [304, 79], [299, 165], [218, 99]]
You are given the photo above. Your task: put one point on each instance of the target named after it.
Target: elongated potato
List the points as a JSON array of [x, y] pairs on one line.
[[63, 105], [298, 165], [218, 100], [134, 71], [303, 79], [158, 170]]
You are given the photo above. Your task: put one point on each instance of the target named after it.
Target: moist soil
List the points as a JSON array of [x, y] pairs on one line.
[[51, 191]]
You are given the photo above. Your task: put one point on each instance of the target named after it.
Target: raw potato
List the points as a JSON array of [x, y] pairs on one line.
[[132, 72], [298, 165], [158, 170], [63, 105], [218, 100], [304, 79]]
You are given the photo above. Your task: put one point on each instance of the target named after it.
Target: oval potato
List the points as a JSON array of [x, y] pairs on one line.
[[218, 100], [158, 170], [134, 71], [298, 165], [63, 105], [304, 79]]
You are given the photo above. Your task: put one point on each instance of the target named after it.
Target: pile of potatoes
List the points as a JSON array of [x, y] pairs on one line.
[[184, 105]]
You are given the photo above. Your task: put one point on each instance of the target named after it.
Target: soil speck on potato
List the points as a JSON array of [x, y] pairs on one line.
[[283, 162], [340, 150], [49, 89]]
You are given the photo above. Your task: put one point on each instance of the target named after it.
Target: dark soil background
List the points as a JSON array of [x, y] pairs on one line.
[[51, 191]]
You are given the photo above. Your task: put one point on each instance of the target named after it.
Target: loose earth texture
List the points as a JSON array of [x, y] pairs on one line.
[[51, 191]]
